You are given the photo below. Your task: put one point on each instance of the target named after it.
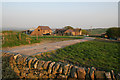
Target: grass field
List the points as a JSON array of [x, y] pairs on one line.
[[96, 31], [102, 55], [15, 39]]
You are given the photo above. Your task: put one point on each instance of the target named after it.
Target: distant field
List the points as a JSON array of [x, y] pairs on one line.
[[15, 39], [102, 55], [97, 31]]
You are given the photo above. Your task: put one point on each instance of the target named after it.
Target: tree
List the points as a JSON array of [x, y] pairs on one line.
[[68, 27], [84, 32], [113, 32]]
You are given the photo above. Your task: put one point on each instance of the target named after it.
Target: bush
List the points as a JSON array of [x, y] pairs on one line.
[[113, 33]]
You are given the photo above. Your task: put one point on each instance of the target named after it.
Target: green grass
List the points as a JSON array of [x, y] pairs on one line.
[[72, 37], [102, 55], [96, 31], [12, 38]]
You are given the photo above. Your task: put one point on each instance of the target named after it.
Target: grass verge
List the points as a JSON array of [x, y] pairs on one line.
[[10, 39]]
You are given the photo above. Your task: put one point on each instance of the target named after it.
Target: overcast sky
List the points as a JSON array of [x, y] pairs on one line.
[[25, 15]]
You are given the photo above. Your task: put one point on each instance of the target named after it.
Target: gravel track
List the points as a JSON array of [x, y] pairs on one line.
[[38, 48]]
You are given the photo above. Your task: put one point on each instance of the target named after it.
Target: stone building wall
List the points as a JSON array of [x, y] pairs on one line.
[[39, 31], [32, 68]]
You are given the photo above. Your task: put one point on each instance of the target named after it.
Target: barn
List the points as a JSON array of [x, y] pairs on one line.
[[42, 30], [72, 32]]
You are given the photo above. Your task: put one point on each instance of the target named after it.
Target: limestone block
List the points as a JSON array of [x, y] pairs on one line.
[[45, 72], [20, 60], [73, 72], [25, 61], [34, 60], [92, 72], [88, 74], [40, 75], [40, 65], [25, 68], [69, 69], [23, 74], [20, 67], [65, 69], [31, 76], [50, 67], [15, 57], [45, 77], [55, 68], [16, 70], [46, 64], [108, 75], [100, 74], [113, 75], [29, 63], [12, 61], [81, 73], [36, 63], [62, 77], [60, 70], [52, 76]]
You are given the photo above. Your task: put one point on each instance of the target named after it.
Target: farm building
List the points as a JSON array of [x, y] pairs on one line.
[[72, 32], [78, 31], [40, 30], [69, 32], [60, 32], [29, 31]]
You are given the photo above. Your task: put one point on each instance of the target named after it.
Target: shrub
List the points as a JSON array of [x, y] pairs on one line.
[[113, 33]]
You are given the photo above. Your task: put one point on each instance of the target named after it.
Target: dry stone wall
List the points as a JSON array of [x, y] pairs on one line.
[[32, 68]]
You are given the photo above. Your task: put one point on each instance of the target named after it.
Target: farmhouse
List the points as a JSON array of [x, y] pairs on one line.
[[78, 31], [72, 32], [60, 32], [40, 30], [69, 32]]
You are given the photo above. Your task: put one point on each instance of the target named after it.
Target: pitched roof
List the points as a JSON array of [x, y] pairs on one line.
[[44, 27], [77, 30], [70, 30], [60, 30]]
